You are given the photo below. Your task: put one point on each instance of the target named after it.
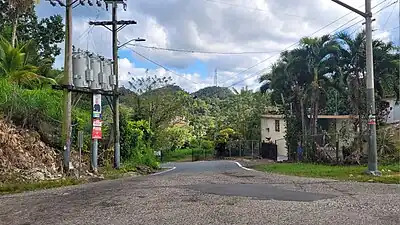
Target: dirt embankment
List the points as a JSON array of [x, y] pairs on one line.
[[23, 156]]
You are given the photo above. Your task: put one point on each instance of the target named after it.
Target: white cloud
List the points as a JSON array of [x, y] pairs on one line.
[[217, 26]]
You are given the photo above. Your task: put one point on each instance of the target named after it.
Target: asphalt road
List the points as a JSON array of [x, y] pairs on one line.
[[216, 192]]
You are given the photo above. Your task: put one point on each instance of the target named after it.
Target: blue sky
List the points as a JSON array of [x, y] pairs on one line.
[[195, 67], [207, 26]]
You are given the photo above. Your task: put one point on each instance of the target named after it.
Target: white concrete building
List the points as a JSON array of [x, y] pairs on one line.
[[394, 111], [274, 127]]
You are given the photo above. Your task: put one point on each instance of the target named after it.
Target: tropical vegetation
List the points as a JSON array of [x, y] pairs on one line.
[[324, 75], [327, 75]]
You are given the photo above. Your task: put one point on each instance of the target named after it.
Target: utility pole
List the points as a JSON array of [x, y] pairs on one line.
[[117, 150], [67, 81], [115, 29], [372, 150], [66, 129]]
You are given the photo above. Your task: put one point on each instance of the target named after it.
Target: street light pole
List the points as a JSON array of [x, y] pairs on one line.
[[372, 150]]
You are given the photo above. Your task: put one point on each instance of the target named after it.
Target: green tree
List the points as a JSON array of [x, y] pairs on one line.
[[44, 33], [15, 67], [321, 58]]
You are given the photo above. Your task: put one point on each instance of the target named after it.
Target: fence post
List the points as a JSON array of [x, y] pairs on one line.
[[240, 149], [252, 149], [80, 144]]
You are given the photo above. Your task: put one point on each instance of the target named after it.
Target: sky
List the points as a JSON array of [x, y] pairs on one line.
[[236, 39]]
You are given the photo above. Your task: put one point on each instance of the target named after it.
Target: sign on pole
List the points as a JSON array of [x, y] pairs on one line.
[[96, 133], [96, 128], [96, 105]]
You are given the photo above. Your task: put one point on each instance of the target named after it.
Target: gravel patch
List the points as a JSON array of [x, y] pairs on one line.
[[172, 199]]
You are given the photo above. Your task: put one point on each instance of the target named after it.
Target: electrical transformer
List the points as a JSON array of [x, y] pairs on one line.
[[79, 68], [107, 73], [95, 64]]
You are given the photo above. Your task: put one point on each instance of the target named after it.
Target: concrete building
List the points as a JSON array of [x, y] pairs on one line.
[[394, 111], [273, 127]]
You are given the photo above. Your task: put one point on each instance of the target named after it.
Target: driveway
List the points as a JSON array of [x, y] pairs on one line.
[[212, 192]]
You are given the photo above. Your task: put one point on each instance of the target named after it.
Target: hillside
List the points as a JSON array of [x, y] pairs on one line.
[[166, 89], [24, 156], [213, 92]]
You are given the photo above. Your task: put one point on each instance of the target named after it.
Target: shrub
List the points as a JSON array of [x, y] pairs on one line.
[[173, 138], [135, 143]]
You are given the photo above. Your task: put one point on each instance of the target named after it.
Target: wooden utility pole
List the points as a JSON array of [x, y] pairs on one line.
[[117, 154], [114, 29], [67, 108], [67, 81]]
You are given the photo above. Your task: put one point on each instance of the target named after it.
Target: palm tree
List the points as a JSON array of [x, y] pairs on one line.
[[350, 76], [15, 9], [14, 65], [321, 61]]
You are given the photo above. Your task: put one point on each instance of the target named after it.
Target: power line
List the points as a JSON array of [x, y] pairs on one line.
[[158, 64], [256, 9], [257, 72], [90, 28], [387, 20], [201, 52], [294, 44], [388, 5]]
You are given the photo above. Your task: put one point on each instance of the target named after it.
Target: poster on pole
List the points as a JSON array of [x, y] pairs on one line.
[[96, 133], [96, 105], [97, 123], [371, 120]]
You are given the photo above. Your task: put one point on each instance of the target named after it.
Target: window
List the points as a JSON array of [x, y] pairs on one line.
[[277, 126]]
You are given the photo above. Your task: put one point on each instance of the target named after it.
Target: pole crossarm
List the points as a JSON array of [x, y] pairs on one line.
[[361, 13], [122, 23], [109, 23]]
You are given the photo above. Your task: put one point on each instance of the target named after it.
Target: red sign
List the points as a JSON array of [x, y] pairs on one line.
[[96, 133], [97, 123]]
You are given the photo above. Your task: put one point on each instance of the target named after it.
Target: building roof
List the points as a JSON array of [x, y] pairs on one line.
[[271, 116]]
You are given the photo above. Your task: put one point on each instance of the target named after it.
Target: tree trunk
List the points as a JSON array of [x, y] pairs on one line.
[[303, 124], [14, 32], [360, 116]]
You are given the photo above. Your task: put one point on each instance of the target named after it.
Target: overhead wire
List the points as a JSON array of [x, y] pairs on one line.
[[388, 5], [201, 52], [388, 18], [241, 53], [90, 28], [258, 72], [294, 44], [256, 9], [162, 66]]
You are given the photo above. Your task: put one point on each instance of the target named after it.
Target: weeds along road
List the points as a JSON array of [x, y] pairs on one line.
[[215, 192]]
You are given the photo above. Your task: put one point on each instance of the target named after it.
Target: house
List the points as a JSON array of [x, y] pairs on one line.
[[393, 109], [273, 127]]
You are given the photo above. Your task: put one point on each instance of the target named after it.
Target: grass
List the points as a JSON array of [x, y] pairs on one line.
[[178, 155], [8, 188], [185, 155], [390, 173], [111, 173]]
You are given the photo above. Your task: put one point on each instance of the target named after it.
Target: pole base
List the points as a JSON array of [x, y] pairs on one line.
[[375, 173]]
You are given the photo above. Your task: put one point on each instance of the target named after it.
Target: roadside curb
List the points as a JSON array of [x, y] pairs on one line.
[[165, 171], [245, 168]]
